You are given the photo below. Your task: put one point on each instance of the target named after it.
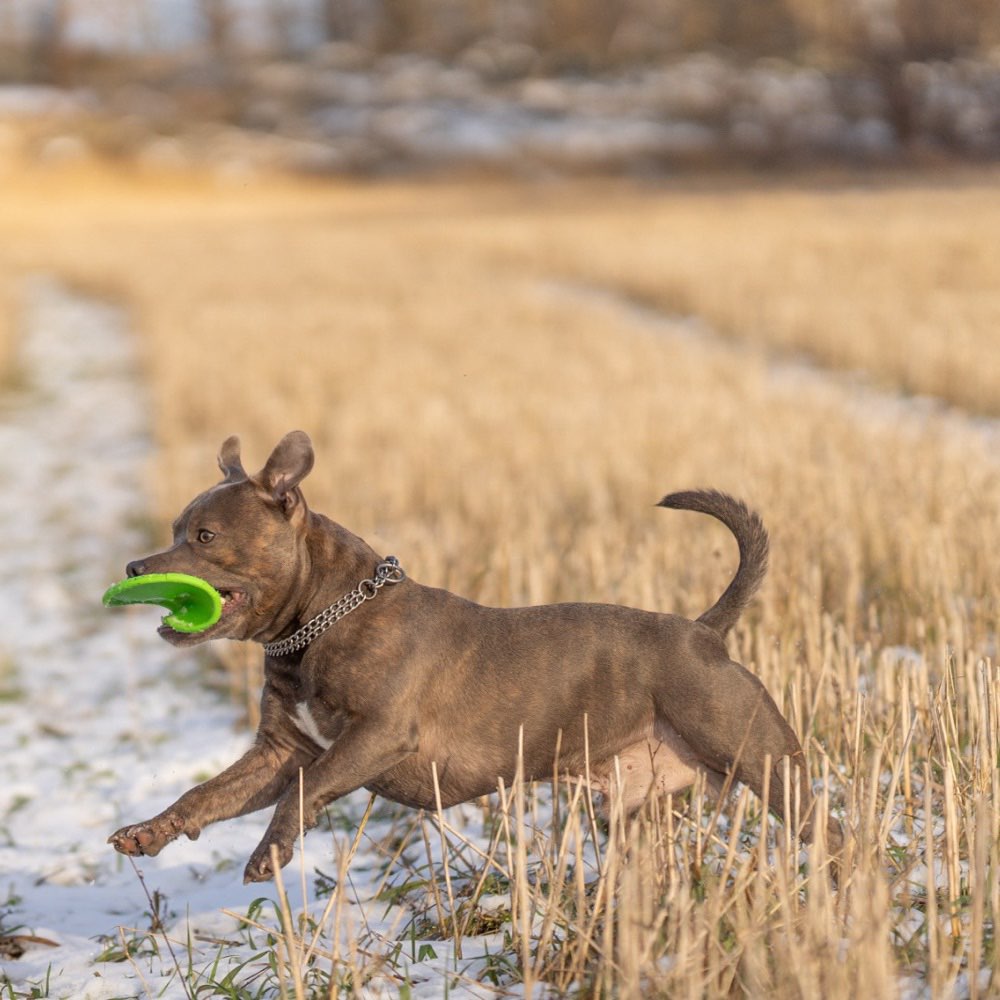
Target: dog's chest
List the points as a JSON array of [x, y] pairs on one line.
[[304, 720]]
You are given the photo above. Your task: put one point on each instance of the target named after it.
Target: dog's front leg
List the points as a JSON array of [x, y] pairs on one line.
[[365, 750], [256, 780]]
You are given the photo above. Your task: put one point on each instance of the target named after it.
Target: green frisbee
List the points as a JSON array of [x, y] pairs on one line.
[[194, 605]]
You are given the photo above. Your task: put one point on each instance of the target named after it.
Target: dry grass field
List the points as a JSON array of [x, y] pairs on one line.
[[499, 388]]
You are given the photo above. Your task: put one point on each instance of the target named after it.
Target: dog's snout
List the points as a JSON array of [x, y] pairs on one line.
[[135, 568]]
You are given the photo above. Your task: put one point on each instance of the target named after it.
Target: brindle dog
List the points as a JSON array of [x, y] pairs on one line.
[[412, 676]]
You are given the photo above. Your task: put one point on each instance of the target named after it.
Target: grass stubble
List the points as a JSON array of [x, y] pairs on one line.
[[475, 415]]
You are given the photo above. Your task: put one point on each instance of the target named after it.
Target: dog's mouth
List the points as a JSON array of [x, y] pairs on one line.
[[232, 600]]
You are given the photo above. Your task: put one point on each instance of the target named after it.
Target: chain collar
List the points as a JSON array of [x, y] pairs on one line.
[[388, 571]]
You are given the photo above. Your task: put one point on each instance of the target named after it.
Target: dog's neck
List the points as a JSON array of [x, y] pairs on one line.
[[347, 572], [387, 573]]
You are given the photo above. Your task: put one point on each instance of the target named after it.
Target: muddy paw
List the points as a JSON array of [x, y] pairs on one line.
[[147, 838], [260, 867]]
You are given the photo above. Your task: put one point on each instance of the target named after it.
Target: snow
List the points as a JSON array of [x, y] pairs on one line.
[[101, 722], [849, 393]]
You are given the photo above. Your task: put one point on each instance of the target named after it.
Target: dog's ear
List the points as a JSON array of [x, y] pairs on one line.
[[229, 460], [290, 463]]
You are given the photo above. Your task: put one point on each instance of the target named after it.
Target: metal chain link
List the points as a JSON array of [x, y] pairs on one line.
[[388, 571]]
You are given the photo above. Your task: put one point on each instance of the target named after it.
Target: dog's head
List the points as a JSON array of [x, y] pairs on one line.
[[244, 536]]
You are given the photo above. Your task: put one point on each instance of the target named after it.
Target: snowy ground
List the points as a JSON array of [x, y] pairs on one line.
[[854, 395], [101, 722]]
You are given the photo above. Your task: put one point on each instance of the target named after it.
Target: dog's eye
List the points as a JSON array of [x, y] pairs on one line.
[[205, 536]]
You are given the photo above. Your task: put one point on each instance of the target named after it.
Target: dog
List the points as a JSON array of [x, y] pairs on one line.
[[374, 680]]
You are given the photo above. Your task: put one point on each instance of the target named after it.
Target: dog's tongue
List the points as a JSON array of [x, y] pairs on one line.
[[194, 605]]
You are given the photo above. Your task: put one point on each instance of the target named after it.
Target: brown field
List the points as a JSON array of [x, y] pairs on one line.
[[494, 398]]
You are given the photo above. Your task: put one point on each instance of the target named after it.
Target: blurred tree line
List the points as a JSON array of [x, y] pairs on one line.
[[875, 37], [581, 35]]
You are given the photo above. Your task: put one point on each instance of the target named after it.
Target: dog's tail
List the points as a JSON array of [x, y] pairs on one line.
[[751, 537]]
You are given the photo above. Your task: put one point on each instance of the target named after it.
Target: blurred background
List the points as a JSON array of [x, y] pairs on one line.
[[636, 86]]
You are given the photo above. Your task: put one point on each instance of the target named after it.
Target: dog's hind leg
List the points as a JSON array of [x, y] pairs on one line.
[[727, 717]]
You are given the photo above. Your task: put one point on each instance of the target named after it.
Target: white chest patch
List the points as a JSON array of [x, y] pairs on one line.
[[305, 723]]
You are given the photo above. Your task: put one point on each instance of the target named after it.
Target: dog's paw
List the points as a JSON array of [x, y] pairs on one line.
[[147, 838], [260, 867]]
